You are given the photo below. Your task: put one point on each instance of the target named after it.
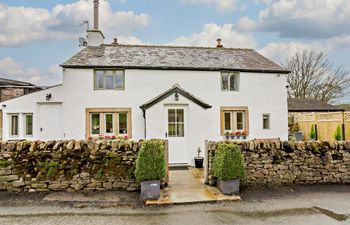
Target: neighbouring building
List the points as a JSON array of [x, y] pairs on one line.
[[10, 89], [183, 94]]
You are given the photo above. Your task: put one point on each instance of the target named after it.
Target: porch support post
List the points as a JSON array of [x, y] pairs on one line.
[[206, 162]]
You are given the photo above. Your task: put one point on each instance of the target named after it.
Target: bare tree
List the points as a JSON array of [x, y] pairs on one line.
[[314, 76]]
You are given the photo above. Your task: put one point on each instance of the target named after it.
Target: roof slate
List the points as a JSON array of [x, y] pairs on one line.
[[310, 105], [171, 57]]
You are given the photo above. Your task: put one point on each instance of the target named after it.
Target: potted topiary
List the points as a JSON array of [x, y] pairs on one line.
[[228, 168], [150, 168], [198, 161], [312, 134]]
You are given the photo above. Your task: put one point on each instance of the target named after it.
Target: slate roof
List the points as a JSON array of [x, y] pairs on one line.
[[171, 57], [9, 82], [310, 105]]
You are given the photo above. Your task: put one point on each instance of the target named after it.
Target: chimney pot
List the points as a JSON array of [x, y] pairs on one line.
[[219, 45], [96, 12]]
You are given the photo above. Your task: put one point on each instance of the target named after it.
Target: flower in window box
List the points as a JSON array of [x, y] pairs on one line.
[[113, 137], [126, 137], [90, 138], [244, 134], [227, 135], [238, 134]]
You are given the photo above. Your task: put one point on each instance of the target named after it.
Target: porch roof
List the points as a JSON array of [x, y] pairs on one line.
[[175, 89]]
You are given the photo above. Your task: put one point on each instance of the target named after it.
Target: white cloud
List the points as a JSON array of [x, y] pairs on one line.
[[11, 69], [21, 25], [245, 24], [306, 19], [209, 34], [221, 5], [280, 52]]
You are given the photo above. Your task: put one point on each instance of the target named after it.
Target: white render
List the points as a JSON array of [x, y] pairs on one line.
[[262, 93]]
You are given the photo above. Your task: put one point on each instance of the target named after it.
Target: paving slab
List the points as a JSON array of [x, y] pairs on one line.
[[187, 186]]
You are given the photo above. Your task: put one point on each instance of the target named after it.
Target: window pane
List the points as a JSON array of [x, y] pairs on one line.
[[109, 82], [95, 123], [233, 82], [240, 121], [29, 124], [179, 115], [123, 123], [171, 116], [171, 130], [180, 130], [227, 121], [119, 80], [99, 81], [266, 121], [14, 125], [109, 123], [224, 81]]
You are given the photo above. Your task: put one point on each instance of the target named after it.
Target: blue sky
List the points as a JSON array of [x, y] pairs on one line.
[[36, 36]]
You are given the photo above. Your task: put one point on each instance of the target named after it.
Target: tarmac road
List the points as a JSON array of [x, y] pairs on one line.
[[288, 205]]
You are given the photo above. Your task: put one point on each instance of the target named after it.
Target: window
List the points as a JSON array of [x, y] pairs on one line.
[[123, 123], [176, 123], [229, 81], [234, 119], [266, 121], [95, 124], [108, 122], [14, 125], [28, 125], [109, 80]]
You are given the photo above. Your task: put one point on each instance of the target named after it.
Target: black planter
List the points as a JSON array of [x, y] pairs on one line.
[[198, 161], [150, 190]]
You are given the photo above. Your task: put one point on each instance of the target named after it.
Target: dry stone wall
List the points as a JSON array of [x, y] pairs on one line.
[[68, 165], [278, 163]]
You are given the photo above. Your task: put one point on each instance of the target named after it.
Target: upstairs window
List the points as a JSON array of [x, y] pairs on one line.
[[229, 81], [109, 80]]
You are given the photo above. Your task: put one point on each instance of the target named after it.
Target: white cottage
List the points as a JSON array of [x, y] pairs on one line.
[[183, 94]]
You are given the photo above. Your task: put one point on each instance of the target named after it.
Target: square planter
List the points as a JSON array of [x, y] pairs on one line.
[[150, 190], [228, 187]]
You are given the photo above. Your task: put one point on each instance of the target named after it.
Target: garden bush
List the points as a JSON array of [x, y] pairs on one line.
[[150, 163], [338, 136], [312, 133], [228, 162]]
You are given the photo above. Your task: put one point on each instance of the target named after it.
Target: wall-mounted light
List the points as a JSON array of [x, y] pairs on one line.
[[3, 106], [176, 96], [48, 97]]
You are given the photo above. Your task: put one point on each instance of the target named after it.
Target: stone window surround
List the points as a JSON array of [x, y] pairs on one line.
[[234, 108], [89, 111]]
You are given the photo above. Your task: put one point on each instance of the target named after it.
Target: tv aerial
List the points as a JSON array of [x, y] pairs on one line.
[[82, 42]]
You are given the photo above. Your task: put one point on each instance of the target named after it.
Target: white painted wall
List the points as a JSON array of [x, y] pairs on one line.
[[260, 92]]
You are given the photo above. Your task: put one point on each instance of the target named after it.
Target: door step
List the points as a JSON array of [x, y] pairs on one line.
[[178, 166]]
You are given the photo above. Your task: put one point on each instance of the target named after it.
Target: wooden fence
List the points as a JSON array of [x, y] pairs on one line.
[[326, 124]]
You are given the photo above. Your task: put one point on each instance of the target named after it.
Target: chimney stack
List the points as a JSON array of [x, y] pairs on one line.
[[219, 45], [95, 37], [96, 11]]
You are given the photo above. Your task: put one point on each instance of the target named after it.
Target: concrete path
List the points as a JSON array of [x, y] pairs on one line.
[[187, 186]]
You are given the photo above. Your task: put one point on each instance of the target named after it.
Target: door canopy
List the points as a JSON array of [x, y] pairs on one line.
[[175, 90]]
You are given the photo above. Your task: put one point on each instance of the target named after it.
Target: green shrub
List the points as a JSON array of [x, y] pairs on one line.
[[228, 162], [150, 163], [315, 149], [338, 134], [312, 133]]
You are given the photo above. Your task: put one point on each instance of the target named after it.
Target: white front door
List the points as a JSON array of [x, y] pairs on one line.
[[176, 133], [50, 121]]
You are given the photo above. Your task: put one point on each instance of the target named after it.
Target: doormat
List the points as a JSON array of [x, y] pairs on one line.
[[178, 167]]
